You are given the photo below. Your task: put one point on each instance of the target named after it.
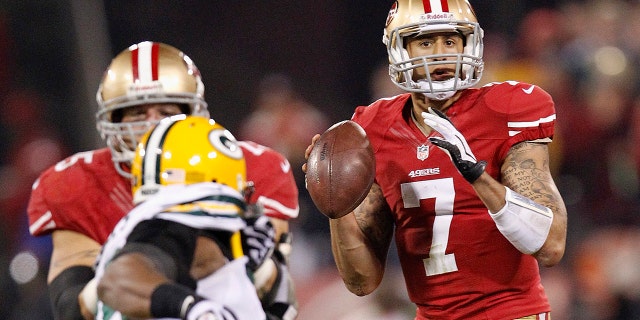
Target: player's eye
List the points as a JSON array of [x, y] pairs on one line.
[[170, 113], [425, 43]]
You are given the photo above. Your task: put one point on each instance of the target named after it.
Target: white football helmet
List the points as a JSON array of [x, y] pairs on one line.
[[144, 73], [410, 18]]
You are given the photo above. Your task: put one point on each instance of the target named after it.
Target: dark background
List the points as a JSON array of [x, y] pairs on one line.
[[329, 48]]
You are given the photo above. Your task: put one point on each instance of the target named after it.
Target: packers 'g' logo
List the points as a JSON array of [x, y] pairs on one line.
[[224, 142]]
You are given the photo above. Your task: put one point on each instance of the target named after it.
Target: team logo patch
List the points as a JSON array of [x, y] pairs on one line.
[[422, 152]]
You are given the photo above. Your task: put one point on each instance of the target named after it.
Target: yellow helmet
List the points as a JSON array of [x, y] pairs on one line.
[[409, 18], [184, 150], [144, 73]]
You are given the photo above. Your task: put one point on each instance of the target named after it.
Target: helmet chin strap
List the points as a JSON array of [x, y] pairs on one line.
[[437, 86]]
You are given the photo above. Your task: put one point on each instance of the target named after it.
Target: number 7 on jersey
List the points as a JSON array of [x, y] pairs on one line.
[[444, 194]]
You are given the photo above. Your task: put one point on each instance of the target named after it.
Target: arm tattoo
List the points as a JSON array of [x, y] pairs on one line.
[[526, 171], [374, 218]]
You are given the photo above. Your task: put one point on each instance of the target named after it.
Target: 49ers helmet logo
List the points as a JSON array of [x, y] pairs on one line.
[[392, 13]]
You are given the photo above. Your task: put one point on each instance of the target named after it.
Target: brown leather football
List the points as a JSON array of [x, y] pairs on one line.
[[340, 169]]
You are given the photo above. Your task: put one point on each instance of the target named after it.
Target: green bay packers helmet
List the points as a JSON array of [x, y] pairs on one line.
[[410, 18], [185, 150], [144, 73]]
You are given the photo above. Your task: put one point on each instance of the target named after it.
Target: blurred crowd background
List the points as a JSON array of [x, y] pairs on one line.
[[277, 72]]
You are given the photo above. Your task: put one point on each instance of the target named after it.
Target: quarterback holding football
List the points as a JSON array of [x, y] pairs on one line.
[[462, 177]]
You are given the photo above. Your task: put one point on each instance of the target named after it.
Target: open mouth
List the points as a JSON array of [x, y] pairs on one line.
[[441, 74]]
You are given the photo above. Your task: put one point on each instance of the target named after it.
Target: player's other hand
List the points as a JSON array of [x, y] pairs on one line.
[[258, 240], [307, 152], [454, 144]]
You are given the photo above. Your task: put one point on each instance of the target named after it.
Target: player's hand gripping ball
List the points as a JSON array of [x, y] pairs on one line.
[[340, 169]]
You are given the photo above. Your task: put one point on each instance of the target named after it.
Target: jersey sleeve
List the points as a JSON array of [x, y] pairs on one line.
[[41, 220], [275, 186], [82, 193], [530, 112], [54, 197]]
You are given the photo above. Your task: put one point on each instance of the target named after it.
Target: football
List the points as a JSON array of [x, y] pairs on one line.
[[340, 169]]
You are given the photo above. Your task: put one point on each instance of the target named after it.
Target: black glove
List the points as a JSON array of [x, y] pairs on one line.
[[258, 240], [454, 144]]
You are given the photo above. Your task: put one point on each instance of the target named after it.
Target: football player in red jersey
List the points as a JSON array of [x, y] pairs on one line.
[[79, 200], [462, 177]]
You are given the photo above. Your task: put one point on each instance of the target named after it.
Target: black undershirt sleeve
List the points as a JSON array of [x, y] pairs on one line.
[[64, 291]]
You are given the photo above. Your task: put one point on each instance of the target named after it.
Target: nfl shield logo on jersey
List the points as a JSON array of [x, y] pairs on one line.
[[423, 152]]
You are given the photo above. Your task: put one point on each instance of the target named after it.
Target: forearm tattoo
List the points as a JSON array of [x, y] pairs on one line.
[[374, 218], [526, 171]]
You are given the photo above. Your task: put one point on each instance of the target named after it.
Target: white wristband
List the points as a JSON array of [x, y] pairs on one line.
[[523, 222]]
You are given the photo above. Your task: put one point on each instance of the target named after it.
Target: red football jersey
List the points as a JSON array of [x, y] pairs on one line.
[[275, 187], [85, 194], [456, 263]]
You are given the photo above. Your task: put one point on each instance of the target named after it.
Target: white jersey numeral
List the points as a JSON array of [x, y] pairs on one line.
[[255, 149], [444, 194], [87, 156]]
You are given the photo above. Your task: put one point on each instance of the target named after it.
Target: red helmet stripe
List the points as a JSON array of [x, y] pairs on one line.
[[134, 64], [144, 61], [445, 5], [155, 49], [435, 6]]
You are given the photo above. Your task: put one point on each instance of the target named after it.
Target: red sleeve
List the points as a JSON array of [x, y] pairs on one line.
[[530, 112], [56, 195], [82, 193], [41, 221], [275, 186]]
